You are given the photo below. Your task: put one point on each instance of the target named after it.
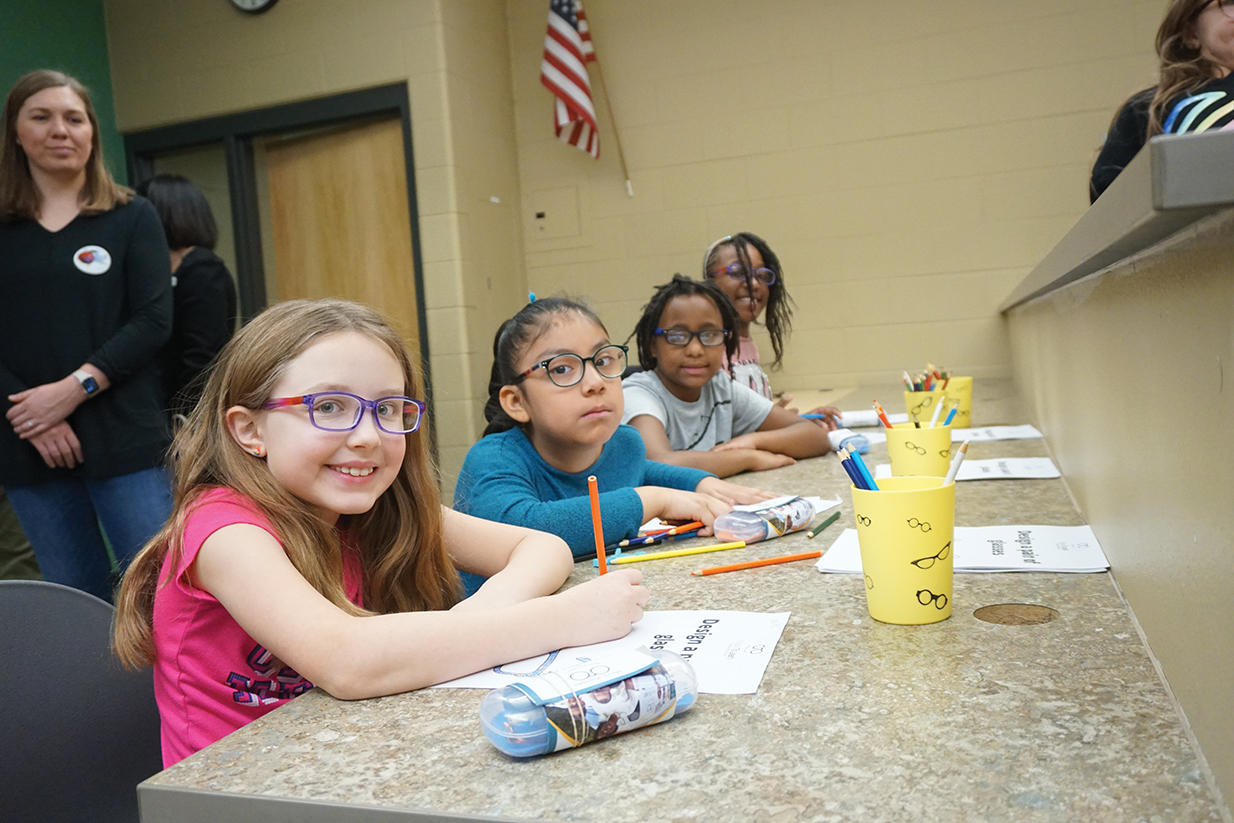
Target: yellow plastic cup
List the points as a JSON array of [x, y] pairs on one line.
[[916, 451], [922, 403], [906, 531]]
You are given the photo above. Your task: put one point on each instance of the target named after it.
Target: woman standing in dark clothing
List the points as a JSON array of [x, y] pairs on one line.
[[87, 306], [204, 295], [1196, 46]]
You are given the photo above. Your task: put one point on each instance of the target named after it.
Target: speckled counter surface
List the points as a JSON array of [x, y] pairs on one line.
[[854, 721]]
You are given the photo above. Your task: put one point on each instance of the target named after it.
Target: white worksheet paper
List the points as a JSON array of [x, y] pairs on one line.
[[999, 468], [983, 435], [728, 650], [995, 549]]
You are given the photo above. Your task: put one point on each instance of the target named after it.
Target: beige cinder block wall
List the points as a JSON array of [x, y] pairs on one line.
[[909, 163], [1126, 373], [178, 60]]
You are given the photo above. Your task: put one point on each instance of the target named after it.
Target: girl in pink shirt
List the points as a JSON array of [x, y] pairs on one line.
[[308, 545]]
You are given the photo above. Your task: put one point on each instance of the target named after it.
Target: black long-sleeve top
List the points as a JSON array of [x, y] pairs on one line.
[[204, 315], [98, 291]]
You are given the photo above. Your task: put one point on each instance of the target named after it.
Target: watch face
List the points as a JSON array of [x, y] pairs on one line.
[[253, 6], [90, 385]]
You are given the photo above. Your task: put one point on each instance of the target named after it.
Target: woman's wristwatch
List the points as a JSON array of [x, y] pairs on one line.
[[88, 384]]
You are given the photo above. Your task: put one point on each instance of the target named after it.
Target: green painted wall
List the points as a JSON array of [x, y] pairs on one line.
[[68, 36]]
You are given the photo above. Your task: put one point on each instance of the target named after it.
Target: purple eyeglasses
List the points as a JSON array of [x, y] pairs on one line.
[[340, 411]]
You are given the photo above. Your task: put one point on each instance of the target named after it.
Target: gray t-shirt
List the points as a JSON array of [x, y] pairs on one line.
[[725, 409]]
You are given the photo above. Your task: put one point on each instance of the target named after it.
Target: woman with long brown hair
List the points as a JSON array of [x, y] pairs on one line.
[[1195, 44], [87, 306]]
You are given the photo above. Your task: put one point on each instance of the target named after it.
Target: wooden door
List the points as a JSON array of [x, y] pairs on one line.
[[339, 220]]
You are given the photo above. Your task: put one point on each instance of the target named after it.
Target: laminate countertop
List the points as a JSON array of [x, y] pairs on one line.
[[855, 720]]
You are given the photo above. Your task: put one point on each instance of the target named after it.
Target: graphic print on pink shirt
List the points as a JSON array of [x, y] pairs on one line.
[[278, 682]]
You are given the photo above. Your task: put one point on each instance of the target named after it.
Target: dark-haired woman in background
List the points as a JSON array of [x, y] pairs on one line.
[[1194, 93], [204, 295]]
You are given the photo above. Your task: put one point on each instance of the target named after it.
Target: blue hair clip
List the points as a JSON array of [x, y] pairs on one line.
[[531, 297]]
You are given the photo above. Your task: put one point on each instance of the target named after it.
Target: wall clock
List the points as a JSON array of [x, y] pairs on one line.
[[253, 6]]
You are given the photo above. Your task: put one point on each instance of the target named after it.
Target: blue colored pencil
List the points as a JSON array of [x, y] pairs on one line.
[[861, 467], [951, 413], [851, 470]]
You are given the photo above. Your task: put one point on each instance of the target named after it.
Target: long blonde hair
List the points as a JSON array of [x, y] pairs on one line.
[[19, 197], [405, 565], [1183, 67]]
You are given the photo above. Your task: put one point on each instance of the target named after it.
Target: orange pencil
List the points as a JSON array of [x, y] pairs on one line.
[[882, 415], [788, 558], [595, 522]]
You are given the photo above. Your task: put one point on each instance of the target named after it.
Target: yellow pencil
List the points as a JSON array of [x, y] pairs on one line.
[[634, 558]]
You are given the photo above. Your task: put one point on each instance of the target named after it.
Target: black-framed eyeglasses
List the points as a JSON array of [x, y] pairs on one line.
[[340, 411], [925, 597], [739, 272], [567, 369], [928, 562], [682, 337]]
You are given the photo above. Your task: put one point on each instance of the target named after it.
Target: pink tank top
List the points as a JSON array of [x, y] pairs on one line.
[[210, 676]]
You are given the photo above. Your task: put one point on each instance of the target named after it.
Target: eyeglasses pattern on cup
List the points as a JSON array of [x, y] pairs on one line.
[[739, 272], [911, 446], [869, 582], [342, 411], [925, 597], [566, 370], [921, 408], [928, 562], [682, 337], [914, 523], [864, 521]]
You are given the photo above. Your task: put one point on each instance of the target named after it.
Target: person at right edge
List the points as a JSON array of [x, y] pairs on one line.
[[1194, 92]]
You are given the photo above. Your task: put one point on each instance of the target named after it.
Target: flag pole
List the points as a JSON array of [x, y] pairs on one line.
[[608, 103]]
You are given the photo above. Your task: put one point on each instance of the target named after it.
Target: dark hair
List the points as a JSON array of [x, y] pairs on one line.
[[513, 338], [778, 317], [19, 197], [644, 330], [183, 209]]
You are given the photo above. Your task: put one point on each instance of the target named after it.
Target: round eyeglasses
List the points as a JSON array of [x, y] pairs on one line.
[[682, 337], [739, 272], [567, 369], [341, 411]]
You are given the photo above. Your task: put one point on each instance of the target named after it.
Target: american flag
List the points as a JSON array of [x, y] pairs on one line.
[[567, 51]]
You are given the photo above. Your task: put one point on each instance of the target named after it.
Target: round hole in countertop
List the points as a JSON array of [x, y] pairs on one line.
[[1016, 614]]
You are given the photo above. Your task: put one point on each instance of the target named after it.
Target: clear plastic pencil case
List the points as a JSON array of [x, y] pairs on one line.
[[587, 702]]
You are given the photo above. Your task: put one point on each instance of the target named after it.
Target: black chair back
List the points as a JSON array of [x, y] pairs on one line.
[[78, 732]]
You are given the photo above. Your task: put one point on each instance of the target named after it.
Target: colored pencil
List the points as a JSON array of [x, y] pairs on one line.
[[770, 561], [719, 547], [951, 414], [652, 539], [955, 464], [882, 415], [938, 409], [850, 469], [814, 531], [596, 524], [865, 472], [642, 539]]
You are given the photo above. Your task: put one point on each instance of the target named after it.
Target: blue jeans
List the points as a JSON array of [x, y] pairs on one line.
[[65, 521]]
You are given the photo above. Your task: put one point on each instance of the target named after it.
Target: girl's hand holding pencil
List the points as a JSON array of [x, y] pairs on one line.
[[605, 607]]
